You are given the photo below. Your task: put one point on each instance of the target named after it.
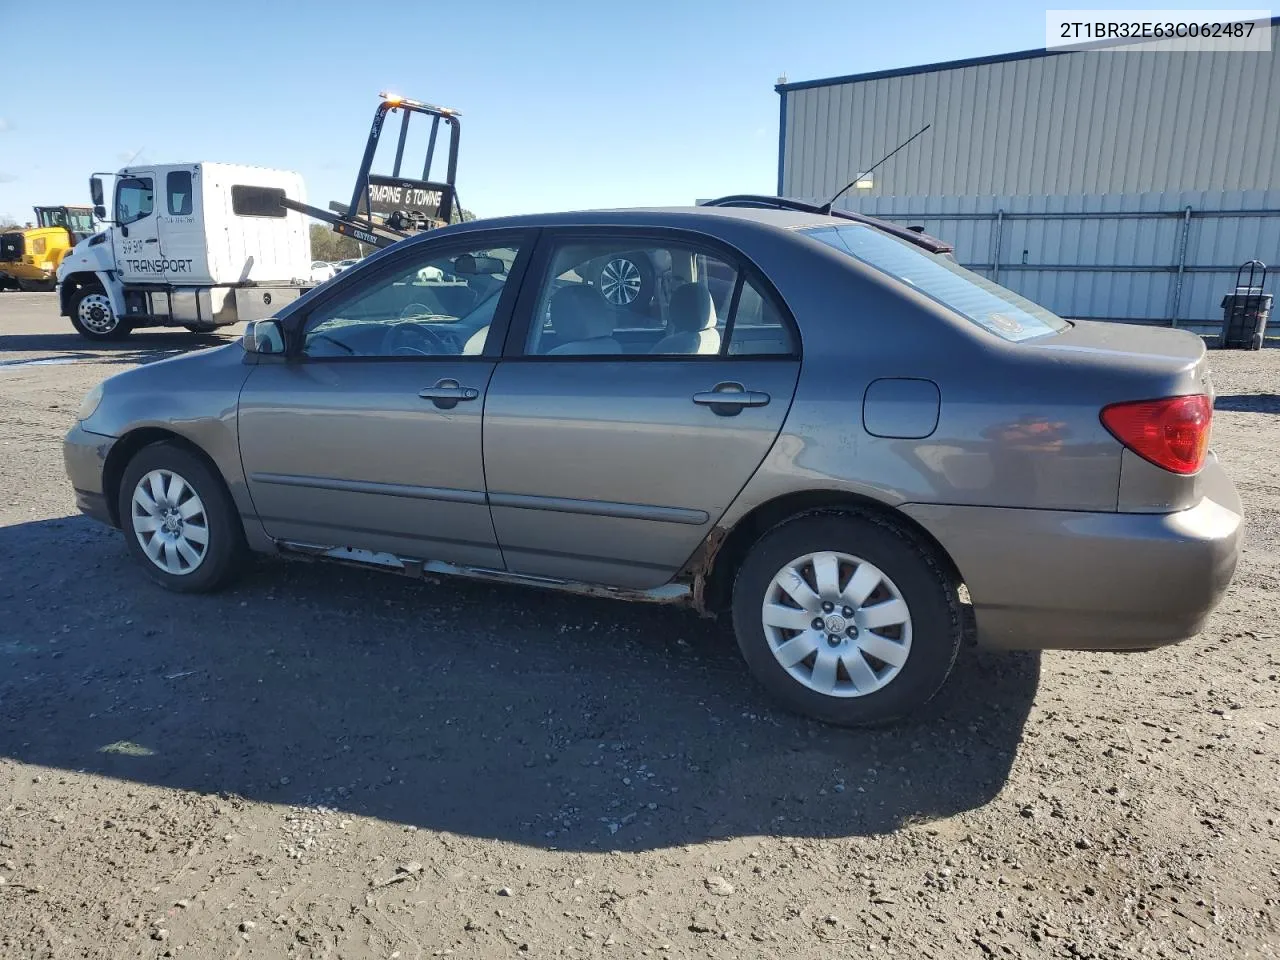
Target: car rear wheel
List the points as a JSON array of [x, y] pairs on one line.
[[846, 618], [179, 520], [93, 318]]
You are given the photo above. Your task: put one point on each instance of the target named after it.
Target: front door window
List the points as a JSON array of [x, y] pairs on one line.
[[135, 199], [439, 307]]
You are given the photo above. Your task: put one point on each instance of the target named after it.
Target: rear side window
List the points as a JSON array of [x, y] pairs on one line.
[[759, 328], [177, 185], [247, 201], [989, 305]]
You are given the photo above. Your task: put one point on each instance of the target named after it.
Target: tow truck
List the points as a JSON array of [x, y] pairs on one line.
[[386, 208], [208, 244]]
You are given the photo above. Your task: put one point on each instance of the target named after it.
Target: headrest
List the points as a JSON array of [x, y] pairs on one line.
[[692, 309], [578, 313]]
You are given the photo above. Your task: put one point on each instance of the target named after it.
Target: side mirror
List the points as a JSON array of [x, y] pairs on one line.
[[263, 336], [95, 192], [100, 211]]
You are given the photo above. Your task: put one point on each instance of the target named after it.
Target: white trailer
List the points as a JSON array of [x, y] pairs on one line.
[[195, 245]]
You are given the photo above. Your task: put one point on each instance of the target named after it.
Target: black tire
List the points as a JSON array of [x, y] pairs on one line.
[[608, 273], [118, 331], [225, 553], [925, 583]]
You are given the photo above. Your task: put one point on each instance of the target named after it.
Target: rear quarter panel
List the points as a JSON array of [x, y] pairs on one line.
[[1015, 428]]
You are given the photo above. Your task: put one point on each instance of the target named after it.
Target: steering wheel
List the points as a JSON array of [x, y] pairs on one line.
[[401, 337]]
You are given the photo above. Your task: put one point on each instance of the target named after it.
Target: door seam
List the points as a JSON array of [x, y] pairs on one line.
[[484, 467]]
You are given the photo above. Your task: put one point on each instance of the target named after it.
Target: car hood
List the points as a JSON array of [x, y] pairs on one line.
[[174, 393]]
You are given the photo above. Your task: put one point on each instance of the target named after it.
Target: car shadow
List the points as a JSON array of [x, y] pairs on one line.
[[489, 710], [1248, 403], [144, 346]]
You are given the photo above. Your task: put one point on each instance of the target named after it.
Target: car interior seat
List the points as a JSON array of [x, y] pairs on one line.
[[583, 322], [692, 322]]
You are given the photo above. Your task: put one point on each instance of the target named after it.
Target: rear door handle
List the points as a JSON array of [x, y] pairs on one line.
[[447, 392], [728, 398]]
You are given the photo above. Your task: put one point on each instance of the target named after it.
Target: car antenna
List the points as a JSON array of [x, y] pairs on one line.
[[826, 207]]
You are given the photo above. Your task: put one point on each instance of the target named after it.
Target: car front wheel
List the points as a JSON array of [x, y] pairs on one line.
[[846, 618], [179, 520]]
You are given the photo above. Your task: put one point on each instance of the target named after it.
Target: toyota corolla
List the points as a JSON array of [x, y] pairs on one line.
[[818, 426]]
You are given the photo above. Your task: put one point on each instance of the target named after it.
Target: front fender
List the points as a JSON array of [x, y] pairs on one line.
[[195, 396], [69, 283]]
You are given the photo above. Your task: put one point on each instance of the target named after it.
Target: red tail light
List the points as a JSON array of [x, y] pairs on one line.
[[1172, 433]]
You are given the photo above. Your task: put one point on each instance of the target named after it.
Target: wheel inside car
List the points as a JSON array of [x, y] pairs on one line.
[[846, 618], [179, 520], [626, 280]]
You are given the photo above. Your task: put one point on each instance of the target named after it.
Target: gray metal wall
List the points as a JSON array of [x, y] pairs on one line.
[[1083, 122], [1150, 258]]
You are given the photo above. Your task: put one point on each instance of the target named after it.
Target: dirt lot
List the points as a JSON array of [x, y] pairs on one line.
[[331, 763]]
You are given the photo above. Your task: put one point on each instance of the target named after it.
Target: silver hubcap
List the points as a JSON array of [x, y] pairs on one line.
[[837, 624], [170, 523], [620, 281], [95, 313]]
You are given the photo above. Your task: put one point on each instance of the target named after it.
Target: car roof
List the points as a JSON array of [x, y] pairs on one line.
[[665, 217], [770, 213]]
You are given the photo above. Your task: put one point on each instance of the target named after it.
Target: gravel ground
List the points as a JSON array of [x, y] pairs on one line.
[[325, 762]]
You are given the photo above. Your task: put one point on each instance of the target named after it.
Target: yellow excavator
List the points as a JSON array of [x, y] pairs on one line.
[[29, 256]]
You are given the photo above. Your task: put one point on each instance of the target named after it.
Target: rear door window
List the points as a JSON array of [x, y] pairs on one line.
[[639, 297], [977, 299], [178, 188]]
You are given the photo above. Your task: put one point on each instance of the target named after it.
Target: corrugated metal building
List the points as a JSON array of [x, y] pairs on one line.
[[1105, 184]]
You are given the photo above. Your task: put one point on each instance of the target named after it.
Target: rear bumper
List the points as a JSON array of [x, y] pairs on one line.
[[1050, 579], [85, 455]]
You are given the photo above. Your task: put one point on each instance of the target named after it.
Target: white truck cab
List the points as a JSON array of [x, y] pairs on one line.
[[195, 245]]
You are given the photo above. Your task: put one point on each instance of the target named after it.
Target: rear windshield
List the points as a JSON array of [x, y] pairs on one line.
[[971, 295]]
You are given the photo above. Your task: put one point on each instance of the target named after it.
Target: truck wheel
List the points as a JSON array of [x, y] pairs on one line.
[[92, 316], [846, 618]]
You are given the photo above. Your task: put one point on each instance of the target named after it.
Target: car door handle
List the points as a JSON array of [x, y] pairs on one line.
[[446, 393], [152, 240], [727, 399]]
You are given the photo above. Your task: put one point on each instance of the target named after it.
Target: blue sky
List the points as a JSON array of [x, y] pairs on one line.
[[565, 104]]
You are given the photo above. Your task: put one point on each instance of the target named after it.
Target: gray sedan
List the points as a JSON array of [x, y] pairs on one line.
[[818, 426]]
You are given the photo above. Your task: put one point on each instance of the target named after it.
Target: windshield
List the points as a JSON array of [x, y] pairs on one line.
[[974, 297], [77, 221]]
